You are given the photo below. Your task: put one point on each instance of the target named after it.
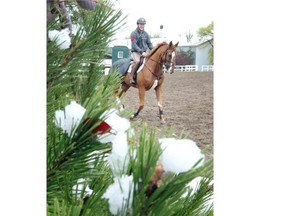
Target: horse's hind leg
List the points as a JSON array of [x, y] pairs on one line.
[[158, 91], [141, 92], [122, 89]]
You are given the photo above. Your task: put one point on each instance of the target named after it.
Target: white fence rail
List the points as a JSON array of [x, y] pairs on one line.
[[178, 68], [207, 68], [186, 68]]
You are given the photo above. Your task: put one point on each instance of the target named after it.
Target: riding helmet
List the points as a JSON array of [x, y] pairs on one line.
[[141, 21]]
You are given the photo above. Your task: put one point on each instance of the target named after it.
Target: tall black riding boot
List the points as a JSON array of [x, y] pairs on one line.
[[133, 71]]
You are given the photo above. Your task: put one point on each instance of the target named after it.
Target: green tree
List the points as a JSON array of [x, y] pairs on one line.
[[207, 34], [77, 74]]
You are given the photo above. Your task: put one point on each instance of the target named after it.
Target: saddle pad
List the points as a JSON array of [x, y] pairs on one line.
[[139, 69], [122, 65]]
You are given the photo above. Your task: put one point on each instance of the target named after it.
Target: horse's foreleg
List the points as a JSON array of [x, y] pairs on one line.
[[158, 91], [141, 92]]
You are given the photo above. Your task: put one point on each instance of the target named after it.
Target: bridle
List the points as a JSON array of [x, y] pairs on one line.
[[166, 53], [161, 61]]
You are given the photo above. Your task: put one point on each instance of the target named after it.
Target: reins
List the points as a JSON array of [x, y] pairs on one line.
[[158, 76]]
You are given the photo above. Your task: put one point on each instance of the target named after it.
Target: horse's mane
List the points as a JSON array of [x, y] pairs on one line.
[[156, 48]]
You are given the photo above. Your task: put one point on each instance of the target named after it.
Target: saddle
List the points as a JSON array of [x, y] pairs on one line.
[[122, 65]]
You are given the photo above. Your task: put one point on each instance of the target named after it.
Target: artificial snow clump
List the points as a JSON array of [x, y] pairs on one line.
[[194, 185], [70, 118], [120, 194], [119, 157], [76, 189], [119, 104], [179, 155], [62, 38], [117, 123]]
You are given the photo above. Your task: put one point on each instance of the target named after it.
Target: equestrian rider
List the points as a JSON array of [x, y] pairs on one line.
[[140, 42]]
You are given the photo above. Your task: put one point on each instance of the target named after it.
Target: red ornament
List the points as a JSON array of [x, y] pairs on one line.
[[102, 128]]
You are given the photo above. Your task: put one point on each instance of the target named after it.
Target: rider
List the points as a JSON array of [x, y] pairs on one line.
[[140, 42]]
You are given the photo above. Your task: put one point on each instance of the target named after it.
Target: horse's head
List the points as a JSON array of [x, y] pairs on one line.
[[168, 54], [163, 54]]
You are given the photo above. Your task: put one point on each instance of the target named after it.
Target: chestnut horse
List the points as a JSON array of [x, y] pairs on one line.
[[150, 75]]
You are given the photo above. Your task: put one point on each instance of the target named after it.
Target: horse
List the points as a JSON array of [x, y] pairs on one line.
[[150, 75]]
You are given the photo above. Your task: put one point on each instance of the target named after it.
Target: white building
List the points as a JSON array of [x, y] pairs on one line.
[[201, 51], [202, 55]]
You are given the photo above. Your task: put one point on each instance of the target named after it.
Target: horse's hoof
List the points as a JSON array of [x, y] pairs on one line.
[[121, 107], [162, 121]]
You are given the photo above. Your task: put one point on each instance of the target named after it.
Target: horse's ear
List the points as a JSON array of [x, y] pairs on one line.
[[170, 44], [176, 44]]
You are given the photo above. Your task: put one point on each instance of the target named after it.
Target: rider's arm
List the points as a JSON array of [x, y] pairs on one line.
[[135, 48]]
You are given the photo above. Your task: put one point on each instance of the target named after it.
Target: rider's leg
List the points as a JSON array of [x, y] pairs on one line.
[[135, 66]]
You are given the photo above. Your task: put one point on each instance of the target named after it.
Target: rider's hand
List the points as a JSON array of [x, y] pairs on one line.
[[144, 54]]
